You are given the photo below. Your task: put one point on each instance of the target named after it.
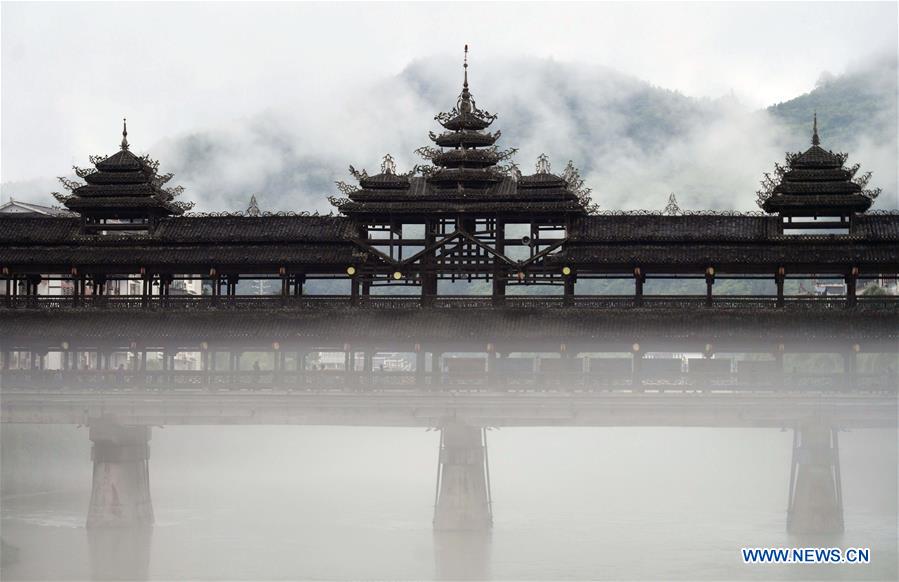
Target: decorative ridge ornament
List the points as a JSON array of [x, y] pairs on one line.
[[253, 209], [388, 165], [124, 133], [543, 165], [672, 208]]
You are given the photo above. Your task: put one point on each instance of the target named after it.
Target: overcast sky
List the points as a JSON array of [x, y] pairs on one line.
[[71, 71]]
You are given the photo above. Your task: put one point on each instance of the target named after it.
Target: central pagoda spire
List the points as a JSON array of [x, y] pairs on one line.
[[815, 139], [125, 133], [467, 155]]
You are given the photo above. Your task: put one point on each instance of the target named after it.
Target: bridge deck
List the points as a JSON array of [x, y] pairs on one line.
[[478, 408]]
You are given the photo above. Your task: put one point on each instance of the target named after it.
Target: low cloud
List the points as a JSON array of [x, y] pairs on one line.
[[634, 143]]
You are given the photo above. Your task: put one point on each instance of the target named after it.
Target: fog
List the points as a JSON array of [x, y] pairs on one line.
[[586, 480], [573, 503]]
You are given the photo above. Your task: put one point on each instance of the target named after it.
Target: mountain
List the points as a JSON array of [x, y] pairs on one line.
[[859, 104], [633, 142]]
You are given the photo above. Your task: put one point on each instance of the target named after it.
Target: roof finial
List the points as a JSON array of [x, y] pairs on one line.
[[124, 133], [815, 139], [465, 68], [464, 102]]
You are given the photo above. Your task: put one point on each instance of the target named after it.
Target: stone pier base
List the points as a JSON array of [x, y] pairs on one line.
[[120, 496], [816, 498], [463, 484]]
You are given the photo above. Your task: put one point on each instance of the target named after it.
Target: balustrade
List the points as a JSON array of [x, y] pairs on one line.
[[339, 380], [387, 302]]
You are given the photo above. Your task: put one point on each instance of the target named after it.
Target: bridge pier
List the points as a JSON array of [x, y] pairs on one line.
[[463, 480], [816, 496], [120, 494]]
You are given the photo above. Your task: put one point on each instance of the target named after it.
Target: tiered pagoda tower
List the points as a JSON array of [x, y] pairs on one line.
[[123, 193], [468, 215], [816, 185], [468, 156]]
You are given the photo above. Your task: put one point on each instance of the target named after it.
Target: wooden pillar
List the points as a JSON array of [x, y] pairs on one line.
[[851, 283], [232, 286], [285, 285], [499, 274], [354, 291], [568, 298], [639, 279], [428, 263], [298, 283], [34, 282], [147, 295], [709, 281], [11, 284], [779, 278]]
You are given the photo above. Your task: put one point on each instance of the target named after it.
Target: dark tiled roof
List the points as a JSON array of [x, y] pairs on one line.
[[104, 178], [483, 176], [824, 251], [507, 190], [466, 138], [239, 229], [114, 203], [817, 174], [121, 161], [541, 181], [385, 181], [817, 187], [809, 203], [460, 207], [656, 228], [181, 257], [874, 227], [816, 184], [186, 229], [467, 156], [466, 120], [23, 230], [816, 156]]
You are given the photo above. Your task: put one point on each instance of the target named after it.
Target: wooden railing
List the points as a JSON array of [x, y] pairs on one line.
[[386, 302]]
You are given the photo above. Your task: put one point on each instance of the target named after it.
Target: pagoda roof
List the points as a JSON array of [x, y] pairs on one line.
[[121, 206], [105, 177], [465, 138], [541, 180], [124, 186], [817, 157], [122, 161], [453, 157], [468, 176], [385, 181], [816, 183], [425, 195], [456, 121]]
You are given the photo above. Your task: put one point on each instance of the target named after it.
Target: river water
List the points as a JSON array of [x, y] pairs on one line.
[[337, 503]]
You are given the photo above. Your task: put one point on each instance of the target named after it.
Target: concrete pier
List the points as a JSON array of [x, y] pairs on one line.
[[120, 553], [120, 495], [816, 497], [463, 480]]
